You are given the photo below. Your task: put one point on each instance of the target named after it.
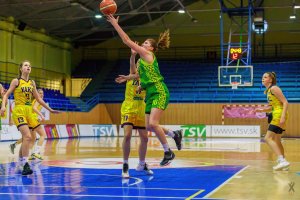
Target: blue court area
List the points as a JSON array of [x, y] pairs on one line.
[[50, 182]]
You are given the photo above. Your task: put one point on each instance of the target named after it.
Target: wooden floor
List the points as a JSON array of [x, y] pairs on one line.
[[253, 179]]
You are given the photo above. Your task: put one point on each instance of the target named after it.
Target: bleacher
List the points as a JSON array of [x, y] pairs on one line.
[[192, 81], [55, 99]]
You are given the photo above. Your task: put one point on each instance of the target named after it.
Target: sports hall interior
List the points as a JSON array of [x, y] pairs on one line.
[[76, 57]]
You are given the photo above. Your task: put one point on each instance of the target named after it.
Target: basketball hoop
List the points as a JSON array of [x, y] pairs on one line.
[[234, 85]]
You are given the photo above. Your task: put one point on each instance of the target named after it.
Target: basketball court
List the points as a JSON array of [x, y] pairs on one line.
[[90, 168]]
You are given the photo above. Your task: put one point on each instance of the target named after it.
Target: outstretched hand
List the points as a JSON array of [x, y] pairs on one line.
[[121, 79], [112, 19], [55, 111]]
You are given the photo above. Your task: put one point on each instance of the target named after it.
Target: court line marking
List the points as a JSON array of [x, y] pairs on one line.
[[194, 195], [138, 180], [216, 189], [79, 195], [81, 186]]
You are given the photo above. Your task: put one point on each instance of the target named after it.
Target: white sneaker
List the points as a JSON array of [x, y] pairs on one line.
[[125, 173], [144, 168], [284, 165]]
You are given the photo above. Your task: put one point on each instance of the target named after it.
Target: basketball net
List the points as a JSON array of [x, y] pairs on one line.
[[234, 85]]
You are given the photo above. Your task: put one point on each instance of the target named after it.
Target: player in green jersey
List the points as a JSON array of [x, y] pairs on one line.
[[157, 93]]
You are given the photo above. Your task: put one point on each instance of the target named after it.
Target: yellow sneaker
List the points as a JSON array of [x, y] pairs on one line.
[[37, 155], [31, 157]]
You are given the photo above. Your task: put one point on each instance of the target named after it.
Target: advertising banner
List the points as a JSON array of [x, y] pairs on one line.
[[235, 131]]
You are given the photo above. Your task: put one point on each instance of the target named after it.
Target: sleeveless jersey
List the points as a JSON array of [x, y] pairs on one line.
[[274, 101], [39, 107], [133, 101], [23, 93], [149, 72]]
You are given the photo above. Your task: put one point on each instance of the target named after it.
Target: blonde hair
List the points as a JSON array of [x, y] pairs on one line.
[[274, 79], [163, 41], [21, 65]]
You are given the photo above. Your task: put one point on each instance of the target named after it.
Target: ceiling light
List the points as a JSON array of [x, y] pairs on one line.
[[98, 16], [293, 17], [181, 11]]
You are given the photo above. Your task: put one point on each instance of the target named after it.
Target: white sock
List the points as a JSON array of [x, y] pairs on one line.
[[170, 133], [20, 162], [166, 147], [37, 149], [142, 162], [24, 160], [281, 158], [125, 161]]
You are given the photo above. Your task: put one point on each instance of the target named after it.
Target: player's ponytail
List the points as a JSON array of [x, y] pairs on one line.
[[164, 40], [162, 43]]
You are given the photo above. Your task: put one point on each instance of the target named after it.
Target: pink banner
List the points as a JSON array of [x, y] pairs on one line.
[[243, 112]]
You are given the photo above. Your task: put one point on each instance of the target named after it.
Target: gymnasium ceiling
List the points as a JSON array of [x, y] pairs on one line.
[[75, 19]]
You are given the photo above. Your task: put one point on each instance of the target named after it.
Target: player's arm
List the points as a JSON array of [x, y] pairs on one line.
[[41, 101], [145, 54], [278, 93], [11, 88], [124, 78], [36, 110], [1, 90], [133, 68]]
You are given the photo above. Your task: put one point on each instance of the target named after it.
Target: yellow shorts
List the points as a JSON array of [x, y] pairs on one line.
[[137, 121], [23, 115], [276, 116]]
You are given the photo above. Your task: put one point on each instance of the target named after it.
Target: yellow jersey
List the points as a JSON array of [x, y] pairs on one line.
[[39, 107], [23, 93], [274, 101], [133, 101]]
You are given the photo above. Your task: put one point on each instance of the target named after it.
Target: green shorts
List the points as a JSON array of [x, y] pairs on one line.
[[157, 96]]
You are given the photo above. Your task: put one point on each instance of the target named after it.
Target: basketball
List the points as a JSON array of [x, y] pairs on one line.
[[108, 7]]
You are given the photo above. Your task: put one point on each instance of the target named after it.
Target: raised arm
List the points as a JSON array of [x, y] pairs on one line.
[[41, 101], [144, 54], [36, 110], [133, 69]]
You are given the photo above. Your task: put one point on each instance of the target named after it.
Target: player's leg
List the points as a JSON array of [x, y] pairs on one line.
[[126, 148], [37, 150], [143, 166]]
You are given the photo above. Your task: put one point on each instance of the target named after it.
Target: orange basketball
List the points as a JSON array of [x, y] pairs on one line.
[[108, 7]]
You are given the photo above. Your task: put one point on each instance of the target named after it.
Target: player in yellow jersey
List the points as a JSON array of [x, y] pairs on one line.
[[39, 118], [278, 106], [133, 117], [24, 90]]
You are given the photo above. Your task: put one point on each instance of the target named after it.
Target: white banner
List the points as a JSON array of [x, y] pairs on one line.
[[9, 133], [63, 133], [193, 131], [98, 130], [235, 131], [85, 130]]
